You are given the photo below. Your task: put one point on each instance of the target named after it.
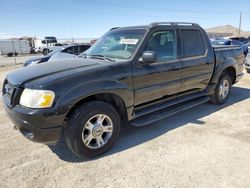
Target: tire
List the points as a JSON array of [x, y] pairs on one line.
[[45, 51], [218, 97], [10, 54], [248, 71], [245, 53], [84, 131]]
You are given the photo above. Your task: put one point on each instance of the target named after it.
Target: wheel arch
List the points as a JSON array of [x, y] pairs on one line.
[[115, 100], [231, 71]]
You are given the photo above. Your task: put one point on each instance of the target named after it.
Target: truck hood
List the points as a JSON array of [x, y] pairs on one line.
[[24, 75]]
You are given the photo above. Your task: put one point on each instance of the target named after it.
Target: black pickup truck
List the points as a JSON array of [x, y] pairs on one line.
[[132, 75]]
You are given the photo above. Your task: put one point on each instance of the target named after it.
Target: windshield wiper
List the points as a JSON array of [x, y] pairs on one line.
[[102, 57]]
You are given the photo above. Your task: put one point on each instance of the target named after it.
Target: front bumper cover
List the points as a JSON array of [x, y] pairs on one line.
[[43, 126]]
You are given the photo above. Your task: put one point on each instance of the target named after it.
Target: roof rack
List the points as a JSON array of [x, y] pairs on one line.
[[172, 23]]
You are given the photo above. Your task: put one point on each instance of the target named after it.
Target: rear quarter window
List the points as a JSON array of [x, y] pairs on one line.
[[192, 44]]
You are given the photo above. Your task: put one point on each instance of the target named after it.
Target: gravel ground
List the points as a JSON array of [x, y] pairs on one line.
[[10, 61], [207, 146]]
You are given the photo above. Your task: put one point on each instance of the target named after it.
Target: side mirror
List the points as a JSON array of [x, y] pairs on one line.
[[148, 57]]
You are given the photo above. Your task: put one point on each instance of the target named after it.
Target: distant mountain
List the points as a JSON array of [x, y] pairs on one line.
[[231, 30], [5, 36]]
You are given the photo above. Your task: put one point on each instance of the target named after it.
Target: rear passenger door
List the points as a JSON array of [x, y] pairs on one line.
[[197, 65]]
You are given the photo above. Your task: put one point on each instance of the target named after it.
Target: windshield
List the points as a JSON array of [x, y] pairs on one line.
[[120, 44]]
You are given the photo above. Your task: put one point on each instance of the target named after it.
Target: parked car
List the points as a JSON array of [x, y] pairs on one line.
[[69, 51], [244, 40], [93, 41], [241, 39], [49, 44], [217, 41], [247, 66], [238, 43], [248, 45], [138, 74]]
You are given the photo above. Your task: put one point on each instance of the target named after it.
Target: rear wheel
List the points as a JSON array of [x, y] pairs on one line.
[[92, 129], [222, 90], [45, 51], [10, 54]]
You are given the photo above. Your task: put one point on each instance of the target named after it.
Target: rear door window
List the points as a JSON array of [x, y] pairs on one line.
[[192, 44]]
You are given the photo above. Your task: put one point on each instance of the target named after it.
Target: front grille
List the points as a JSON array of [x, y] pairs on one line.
[[11, 93], [8, 89]]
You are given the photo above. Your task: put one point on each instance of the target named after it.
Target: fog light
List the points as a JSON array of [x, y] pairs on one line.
[[27, 133]]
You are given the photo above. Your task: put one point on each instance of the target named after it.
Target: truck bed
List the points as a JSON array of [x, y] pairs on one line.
[[223, 51]]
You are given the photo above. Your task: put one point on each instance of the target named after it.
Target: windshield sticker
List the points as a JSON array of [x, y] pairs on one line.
[[129, 41]]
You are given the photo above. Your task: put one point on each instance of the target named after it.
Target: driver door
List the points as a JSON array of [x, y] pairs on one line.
[[162, 78]]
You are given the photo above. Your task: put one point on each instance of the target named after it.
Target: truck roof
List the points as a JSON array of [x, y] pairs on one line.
[[154, 24]]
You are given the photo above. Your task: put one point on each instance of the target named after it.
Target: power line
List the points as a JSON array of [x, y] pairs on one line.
[[99, 12], [154, 9], [149, 15], [16, 5]]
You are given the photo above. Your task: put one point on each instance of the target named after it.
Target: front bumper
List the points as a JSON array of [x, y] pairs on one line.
[[43, 125]]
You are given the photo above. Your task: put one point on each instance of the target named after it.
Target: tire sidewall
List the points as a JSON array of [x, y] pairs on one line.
[[86, 112], [222, 78], [45, 51]]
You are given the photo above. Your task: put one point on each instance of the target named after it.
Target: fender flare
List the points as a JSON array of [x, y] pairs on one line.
[[228, 62], [79, 92]]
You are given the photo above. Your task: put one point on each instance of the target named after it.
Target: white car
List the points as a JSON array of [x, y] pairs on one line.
[[63, 52]]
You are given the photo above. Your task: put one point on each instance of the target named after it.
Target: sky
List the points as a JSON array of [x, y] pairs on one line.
[[92, 18]]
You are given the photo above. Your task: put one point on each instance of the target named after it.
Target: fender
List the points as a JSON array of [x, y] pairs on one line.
[[222, 64], [79, 92]]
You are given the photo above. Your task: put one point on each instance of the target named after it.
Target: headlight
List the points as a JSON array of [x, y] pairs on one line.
[[37, 98]]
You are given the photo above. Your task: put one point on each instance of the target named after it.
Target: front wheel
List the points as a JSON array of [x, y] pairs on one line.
[[222, 90], [92, 129]]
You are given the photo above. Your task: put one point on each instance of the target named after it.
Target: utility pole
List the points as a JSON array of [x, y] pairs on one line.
[[240, 24], [70, 26]]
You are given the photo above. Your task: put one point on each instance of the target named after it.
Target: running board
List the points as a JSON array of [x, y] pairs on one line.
[[168, 111], [166, 104]]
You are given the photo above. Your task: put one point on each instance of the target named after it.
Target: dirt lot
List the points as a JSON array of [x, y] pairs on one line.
[[8, 61], [208, 146]]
